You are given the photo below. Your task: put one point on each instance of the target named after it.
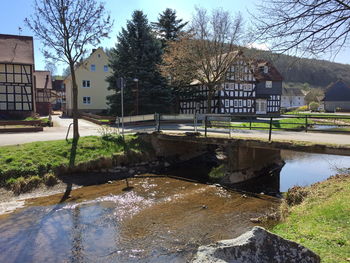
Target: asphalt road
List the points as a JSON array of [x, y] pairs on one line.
[[58, 132]]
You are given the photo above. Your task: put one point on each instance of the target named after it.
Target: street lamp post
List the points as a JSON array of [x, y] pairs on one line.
[[120, 84], [136, 80]]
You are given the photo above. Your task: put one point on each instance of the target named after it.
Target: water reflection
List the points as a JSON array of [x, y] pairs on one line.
[[160, 220], [304, 168]]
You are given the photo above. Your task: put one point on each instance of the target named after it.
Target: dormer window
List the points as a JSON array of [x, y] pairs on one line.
[[264, 69]]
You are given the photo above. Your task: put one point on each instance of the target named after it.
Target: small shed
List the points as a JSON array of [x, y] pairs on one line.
[[337, 97]]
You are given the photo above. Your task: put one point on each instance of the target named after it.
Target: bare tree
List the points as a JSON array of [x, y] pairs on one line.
[[210, 49], [308, 26], [67, 28], [50, 66]]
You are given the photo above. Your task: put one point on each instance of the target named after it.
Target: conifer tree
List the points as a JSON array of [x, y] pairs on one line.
[[168, 27], [136, 56]]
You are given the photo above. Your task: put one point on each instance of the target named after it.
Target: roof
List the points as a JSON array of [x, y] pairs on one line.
[[40, 79], [292, 92], [86, 60], [272, 73], [16, 49], [338, 91]]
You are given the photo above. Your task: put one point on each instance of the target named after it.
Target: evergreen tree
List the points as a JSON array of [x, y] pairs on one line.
[[168, 27], [136, 56]]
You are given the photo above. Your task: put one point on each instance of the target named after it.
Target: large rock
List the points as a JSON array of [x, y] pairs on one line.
[[255, 246]]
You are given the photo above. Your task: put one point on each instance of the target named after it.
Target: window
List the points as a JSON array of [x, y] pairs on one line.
[[249, 103], [86, 83], [86, 100], [235, 103], [227, 103], [93, 67], [240, 103], [105, 68], [268, 84], [266, 69]]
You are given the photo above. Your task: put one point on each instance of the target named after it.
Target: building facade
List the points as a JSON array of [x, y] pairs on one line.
[[92, 85], [16, 76], [250, 88], [43, 91], [59, 90], [337, 97], [292, 98]]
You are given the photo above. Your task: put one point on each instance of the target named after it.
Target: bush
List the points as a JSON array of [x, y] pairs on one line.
[[22, 185], [313, 106], [295, 195], [302, 108], [32, 182], [50, 179]]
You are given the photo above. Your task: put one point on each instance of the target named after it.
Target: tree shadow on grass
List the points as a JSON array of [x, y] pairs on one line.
[[72, 157]]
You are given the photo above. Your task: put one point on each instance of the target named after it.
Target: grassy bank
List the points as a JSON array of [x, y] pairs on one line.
[[322, 221], [32, 162]]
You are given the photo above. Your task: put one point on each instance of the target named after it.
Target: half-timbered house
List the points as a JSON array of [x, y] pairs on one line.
[[250, 88], [16, 75]]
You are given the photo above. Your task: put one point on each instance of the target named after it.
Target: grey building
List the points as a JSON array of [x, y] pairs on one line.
[[337, 97]]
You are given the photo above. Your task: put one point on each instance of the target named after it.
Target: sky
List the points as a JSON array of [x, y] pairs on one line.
[[15, 11]]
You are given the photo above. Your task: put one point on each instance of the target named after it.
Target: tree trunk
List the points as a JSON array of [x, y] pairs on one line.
[[75, 112], [210, 98]]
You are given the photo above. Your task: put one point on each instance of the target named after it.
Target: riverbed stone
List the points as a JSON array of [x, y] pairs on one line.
[[255, 246]]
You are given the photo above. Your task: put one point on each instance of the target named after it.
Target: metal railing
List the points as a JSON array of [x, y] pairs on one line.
[[230, 123]]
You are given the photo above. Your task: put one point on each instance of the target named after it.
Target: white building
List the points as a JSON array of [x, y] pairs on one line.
[[292, 98]]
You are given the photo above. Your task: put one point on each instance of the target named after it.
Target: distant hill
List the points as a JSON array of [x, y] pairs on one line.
[[297, 71]]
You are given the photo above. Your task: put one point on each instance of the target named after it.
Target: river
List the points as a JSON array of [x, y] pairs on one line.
[[156, 219]]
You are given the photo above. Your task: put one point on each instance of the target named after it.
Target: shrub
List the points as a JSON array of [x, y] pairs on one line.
[[302, 108], [295, 195], [50, 179], [313, 106], [22, 185], [32, 182]]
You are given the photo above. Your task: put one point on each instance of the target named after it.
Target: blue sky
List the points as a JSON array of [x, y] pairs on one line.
[[15, 11]]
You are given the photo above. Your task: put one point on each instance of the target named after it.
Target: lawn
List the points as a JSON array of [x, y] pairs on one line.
[[292, 123], [322, 221]]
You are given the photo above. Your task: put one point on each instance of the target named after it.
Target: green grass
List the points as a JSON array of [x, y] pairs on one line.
[[38, 158], [217, 173], [322, 221]]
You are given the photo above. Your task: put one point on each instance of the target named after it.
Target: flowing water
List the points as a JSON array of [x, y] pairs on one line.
[[156, 219]]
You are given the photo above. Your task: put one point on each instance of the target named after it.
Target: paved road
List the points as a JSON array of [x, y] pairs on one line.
[[58, 132]]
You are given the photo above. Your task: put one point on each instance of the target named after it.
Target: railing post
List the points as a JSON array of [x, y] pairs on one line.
[[158, 122], [306, 124], [195, 121], [155, 122], [205, 125], [270, 130]]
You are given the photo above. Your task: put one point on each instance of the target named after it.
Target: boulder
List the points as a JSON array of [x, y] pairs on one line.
[[255, 246]]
